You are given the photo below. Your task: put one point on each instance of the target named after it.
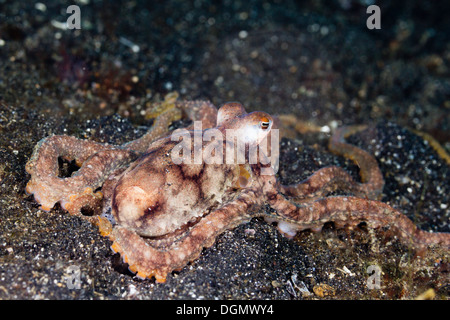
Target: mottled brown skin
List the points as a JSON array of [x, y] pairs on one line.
[[157, 196], [160, 215]]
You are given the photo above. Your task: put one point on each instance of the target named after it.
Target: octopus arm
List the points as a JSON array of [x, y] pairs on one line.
[[199, 110], [351, 211], [96, 162], [160, 128], [332, 178]]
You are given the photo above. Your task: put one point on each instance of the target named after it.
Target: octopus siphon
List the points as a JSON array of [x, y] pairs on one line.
[[160, 213]]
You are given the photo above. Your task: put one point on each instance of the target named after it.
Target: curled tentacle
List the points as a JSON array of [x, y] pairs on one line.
[[329, 179], [371, 176], [48, 188], [96, 160]]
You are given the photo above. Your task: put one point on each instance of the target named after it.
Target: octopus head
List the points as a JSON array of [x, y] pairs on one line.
[[139, 202], [251, 127]]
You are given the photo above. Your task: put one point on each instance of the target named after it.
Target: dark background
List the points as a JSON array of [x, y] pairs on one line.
[[313, 59]]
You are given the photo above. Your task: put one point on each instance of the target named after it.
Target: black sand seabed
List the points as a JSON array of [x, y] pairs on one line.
[[316, 60]]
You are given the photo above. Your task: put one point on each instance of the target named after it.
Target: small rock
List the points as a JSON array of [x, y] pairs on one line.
[[323, 289]]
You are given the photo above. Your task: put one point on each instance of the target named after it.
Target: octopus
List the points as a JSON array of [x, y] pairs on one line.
[[160, 213]]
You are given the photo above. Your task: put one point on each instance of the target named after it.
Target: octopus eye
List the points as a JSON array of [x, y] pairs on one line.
[[264, 123]]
